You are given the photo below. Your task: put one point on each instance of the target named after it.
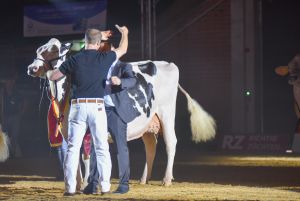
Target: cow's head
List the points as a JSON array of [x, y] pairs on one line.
[[292, 70], [48, 56]]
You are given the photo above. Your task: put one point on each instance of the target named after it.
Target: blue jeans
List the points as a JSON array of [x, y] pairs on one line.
[[61, 153]]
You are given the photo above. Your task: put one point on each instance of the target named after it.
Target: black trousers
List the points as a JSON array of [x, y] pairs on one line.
[[118, 130]]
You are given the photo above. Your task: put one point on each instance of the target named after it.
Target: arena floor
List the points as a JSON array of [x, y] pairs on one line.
[[198, 176]]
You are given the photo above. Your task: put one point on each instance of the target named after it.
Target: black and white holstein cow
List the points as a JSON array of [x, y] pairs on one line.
[[154, 96]]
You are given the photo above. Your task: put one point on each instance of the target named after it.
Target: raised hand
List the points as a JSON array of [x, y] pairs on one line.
[[122, 30]]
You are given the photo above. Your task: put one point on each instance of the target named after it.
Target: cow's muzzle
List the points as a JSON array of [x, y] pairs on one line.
[[32, 70]]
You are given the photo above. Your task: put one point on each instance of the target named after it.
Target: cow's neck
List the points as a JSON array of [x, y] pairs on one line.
[[61, 91], [57, 89]]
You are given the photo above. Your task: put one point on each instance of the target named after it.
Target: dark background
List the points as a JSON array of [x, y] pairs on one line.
[[279, 43]]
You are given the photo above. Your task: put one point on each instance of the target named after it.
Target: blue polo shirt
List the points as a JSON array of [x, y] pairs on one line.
[[88, 70]]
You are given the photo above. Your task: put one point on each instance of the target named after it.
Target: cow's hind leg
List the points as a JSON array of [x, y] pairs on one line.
[[167, 118], [150, 142], [78, 178]]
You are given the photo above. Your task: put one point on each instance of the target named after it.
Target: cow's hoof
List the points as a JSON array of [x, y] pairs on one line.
[[167, 182], [85, 183], [143, 182]]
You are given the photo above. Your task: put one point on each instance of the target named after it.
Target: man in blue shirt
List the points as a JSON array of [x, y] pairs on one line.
[[88, 69]]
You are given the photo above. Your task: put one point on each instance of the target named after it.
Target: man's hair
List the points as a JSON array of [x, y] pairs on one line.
[[92, 36]]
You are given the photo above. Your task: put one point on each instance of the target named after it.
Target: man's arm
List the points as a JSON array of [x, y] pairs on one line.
[[54, 74], [65, 68], [127, 80], [125, 83], [122, 49]]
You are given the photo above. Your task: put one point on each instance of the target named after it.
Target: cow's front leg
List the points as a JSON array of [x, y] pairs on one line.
[[78, 178], [150, 142], [86, 162]]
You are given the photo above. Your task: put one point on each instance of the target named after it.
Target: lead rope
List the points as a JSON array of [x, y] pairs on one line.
[[43, 91]]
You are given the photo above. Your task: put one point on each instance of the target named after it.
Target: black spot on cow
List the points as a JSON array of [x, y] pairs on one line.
[[148, 68], [139, 96]]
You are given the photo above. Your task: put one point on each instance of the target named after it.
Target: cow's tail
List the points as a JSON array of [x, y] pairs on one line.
[[202, 124], [4, 143]]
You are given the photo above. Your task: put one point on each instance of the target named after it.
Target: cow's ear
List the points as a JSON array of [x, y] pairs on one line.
[[40, 50]]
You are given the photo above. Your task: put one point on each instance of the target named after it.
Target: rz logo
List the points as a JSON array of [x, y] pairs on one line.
[[233, 142]]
